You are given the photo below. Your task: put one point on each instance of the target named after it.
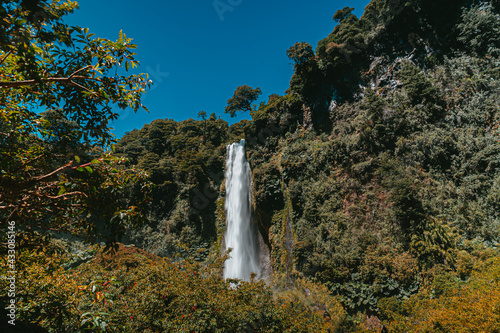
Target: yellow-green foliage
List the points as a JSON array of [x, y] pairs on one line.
[[134, 291], [463, 307], [317, 297]]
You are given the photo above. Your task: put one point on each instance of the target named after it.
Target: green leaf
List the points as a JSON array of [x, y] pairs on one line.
[[80, 169], [89, 169], [85, 321], [95, 161], [77, 159]]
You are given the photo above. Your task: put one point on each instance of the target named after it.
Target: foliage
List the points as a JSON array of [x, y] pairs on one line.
[[132, 290], [479, 30], [186, 162], [300, 53], [406, 173], [57, 87], [463, 307], [242, 100], [342, 14]]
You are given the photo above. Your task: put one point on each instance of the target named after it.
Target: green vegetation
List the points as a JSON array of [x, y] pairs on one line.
[[54, 170], [132, 291], [242, 100], [185, 161], [376, 182]]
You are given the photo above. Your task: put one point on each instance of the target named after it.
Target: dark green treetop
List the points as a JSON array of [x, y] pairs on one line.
[[242, 99]]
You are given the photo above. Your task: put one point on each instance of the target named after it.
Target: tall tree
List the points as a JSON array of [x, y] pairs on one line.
[[58, 86], [242, 99], [203, 115]]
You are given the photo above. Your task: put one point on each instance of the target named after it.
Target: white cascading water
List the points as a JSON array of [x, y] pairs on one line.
[[240, 234]]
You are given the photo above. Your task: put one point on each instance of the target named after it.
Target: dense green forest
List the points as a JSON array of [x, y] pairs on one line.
[[376, 182]]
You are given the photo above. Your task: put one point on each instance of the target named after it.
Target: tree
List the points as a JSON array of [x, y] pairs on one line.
[[203, 115], [58, 86], [479, 31], [342, 14], [242, 100], [300, 53]]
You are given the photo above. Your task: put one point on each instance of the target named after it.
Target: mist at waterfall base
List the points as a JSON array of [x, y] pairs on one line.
[[240, 234]]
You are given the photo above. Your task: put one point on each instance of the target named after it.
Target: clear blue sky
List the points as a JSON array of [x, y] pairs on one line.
[[197, 55]]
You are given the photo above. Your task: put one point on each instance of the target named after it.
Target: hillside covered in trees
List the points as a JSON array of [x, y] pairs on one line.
[[376, 191]]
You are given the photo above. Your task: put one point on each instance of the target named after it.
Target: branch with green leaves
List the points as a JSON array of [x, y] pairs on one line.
[[59, 88]]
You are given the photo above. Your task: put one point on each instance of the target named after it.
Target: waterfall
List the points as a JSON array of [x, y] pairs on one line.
[[240, 233]]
